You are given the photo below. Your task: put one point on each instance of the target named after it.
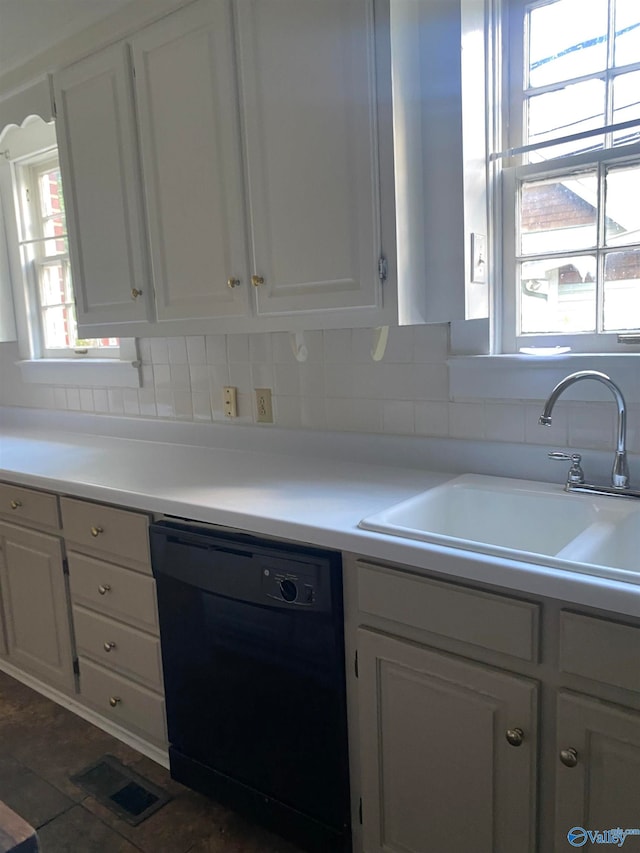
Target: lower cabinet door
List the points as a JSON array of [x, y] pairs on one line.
[[448, 752], [598, 773], [36, 604]]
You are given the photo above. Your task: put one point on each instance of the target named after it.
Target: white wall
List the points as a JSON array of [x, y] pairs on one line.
[[339, 387]]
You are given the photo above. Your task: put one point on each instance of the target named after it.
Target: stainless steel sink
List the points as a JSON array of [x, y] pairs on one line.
[[535, 522]]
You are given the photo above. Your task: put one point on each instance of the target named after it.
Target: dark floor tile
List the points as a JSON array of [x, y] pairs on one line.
[[236, 835], [78, 831], [35, 800]]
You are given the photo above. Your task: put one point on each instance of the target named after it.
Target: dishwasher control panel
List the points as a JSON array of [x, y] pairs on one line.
[[290, 584]]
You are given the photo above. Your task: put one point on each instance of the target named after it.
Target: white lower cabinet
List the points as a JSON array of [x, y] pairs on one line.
[[486, 722], [35, 604], [438, 769]]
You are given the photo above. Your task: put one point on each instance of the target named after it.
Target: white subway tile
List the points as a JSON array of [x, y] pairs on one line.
[[397, 382], [216, 347], [201, 406], [432, 418], [260, 348], [196, 349], [338, 380], [73, 399], [504, 421], [199, 377], [183, 407], [86, 400], [218, 376], [312, 412], [131, 401], [314, 343], [312, 379], [399, 349], [281, 348], [100, 400], [398, 417], [466, 420], [286, 379], [161, 376], [116, 403], [287, 411], [238, 348], [337, 346], [60, 398], [159, 351], [180, 377], [144, 350], [146, 375], [431, 382], [177, 348], [361, 344], [592, 425], [147, 398], [240, 377], [555, 436], [164, 402], [262, 375], [430, 343], [367, 380]]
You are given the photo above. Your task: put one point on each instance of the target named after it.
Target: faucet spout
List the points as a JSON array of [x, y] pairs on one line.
[[620, 473]]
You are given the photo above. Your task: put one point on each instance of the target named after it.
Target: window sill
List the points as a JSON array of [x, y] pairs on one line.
[[530, 377], [85, 373]]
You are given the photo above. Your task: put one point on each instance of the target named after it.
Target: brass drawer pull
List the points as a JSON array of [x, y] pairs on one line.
[[16, 504], [104, 588], [96, 531], [514, 736], [109, 645], [257, 280], [569, 757], [114, 700], [233, 282], [135, 293]]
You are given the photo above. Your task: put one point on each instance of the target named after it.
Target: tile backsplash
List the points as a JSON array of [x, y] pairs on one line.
[[337, 387]]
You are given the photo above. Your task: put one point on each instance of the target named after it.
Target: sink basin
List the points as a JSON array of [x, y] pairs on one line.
[[535, 522]]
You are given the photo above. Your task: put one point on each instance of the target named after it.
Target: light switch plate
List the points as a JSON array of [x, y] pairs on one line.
[[264, 408], [230, 401]]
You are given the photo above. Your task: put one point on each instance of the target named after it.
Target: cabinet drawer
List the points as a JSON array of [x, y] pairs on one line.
[[29, 506], [113, 591], [601, 650], [118, 647], [118, 699], [468, 615], [118, 534]]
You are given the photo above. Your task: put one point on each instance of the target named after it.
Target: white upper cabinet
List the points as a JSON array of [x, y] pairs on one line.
[[308, 90], [191, 156], [98, 158]]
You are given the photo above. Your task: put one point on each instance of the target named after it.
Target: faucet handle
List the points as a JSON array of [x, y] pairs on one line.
[[576, 474]]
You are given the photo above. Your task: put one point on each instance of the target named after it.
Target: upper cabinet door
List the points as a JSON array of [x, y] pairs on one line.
[[190, 143], [308, 90], [98, 158]]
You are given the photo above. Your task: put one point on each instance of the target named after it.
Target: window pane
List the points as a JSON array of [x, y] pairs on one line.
[[622, 206], [626, 105], [59, 327], [627, 42], [572, 109], [559, 215], [567, 39], [51, 201], [558, 295], [55, 227], [622, 290], [55, 286]]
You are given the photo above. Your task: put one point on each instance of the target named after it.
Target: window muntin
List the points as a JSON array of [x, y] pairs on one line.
[[45, 252], [569, 204]]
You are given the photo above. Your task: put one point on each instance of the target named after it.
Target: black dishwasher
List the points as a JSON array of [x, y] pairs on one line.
[[253, 655]]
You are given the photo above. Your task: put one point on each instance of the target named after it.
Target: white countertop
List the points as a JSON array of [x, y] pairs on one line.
[[289, 488]]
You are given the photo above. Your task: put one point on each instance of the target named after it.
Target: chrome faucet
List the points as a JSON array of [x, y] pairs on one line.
[[620, 472]]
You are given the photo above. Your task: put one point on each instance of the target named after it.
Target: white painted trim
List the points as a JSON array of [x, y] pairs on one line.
[[85, 373], [155, 753], [527, 377]]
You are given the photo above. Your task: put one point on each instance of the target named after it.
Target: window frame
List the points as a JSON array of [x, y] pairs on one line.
[[507, 172]]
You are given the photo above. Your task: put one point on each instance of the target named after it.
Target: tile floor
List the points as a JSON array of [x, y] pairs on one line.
[[42, 744]]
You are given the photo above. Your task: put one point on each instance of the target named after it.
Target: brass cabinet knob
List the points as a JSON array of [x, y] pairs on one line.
[[257, 280], [135, 293], [16, 504], [233, 282], [514, 736], [114, 700], [569, 757], [104, 588], [96, 531], [109, 645]]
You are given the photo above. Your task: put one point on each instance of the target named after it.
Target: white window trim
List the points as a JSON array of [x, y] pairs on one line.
[[82, 371]]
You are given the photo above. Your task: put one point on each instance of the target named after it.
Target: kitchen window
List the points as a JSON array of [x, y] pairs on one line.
[[45, 260], [570, 175]]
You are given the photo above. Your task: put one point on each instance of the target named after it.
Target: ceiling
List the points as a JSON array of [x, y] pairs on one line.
[[29, 27]]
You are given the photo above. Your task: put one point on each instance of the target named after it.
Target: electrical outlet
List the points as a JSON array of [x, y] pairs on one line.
[[230, 401], [264, 409]]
